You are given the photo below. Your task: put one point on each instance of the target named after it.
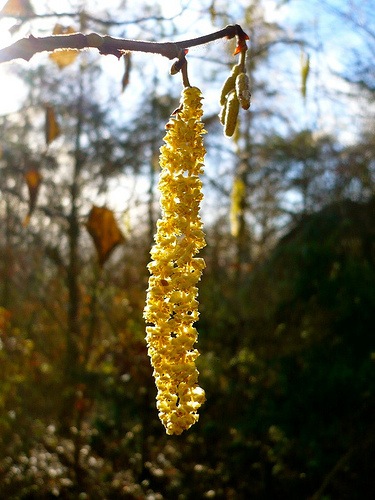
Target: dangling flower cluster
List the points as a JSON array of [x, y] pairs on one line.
[[171, 305], [234, 93]]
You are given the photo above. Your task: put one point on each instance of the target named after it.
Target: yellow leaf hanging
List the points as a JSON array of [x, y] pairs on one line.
[[103, 228], [237, 205], [305, 70], [33, 180], [63, 57], [52, 128], [17, 8]]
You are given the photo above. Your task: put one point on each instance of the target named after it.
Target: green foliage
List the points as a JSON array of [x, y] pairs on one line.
[[291, 347]]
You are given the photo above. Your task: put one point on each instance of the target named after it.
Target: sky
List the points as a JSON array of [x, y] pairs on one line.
[[331, 38], [11, 89]]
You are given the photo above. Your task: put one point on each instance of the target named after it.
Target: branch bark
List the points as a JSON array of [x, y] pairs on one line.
[[27, 47]]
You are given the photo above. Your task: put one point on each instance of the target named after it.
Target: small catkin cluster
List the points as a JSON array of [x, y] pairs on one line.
[[234, 93], [171, 305]]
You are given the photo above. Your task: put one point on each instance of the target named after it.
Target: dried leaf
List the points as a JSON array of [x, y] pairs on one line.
[[241, 43], [52, 128], [103, 228], [126, 76], [63, 57], [17, 8], [5, 317], [213, 12], [33, 180]]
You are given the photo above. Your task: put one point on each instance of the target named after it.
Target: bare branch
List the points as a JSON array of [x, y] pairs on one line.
[[82, 15], [27, 47]]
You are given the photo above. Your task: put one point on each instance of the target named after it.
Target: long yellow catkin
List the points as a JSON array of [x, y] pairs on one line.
[[171, 305]]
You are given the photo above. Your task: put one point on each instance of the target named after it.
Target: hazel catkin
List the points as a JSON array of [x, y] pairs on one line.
[[242, 87], [232, 109], [171, 304], [229, 84]]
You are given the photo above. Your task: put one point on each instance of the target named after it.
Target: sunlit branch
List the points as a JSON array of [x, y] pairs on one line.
[[27, 47]]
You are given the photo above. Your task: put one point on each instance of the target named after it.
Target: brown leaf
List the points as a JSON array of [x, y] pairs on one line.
[[241, 42], [17, 8], [5, 317], [126, 75], [33, 180], [52, 128], [103, 228], [63, 57]]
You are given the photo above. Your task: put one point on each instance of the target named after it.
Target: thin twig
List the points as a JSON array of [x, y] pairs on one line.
[[328, 478], [27, 47], [96, 20]]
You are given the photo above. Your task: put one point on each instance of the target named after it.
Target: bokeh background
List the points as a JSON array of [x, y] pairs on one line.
[[287, 300]]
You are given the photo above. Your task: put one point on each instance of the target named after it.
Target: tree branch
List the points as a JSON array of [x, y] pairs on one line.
[[27, 47], [87, 17]]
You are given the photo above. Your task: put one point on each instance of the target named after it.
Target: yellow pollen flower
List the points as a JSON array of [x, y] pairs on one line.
[[171, 305]]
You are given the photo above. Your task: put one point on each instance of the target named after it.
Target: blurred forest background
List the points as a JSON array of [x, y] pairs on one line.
[[287, 299]]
